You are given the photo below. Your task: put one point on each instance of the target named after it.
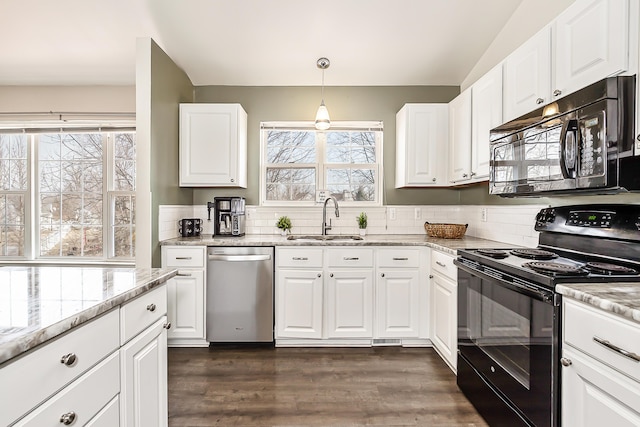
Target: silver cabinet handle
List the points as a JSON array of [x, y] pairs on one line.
[[619, 350], [68, 418], [433, 179], [464, 175], [184, 257], [239, 258], [151, 307], [331, 275], [441, 264], [400, 259], [566, 362], [319, 275], [431, 276], [473, 174], [232, 180], [167, 325], [557, 92], [539, 101], [382, 275], [184, 274], [69, 359], [300, 258], [355, 258]]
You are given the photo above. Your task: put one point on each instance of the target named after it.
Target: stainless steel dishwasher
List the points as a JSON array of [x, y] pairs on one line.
[[239, 294]]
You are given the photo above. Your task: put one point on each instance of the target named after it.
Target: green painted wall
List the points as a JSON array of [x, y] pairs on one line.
[[169, 87], [344, 103]]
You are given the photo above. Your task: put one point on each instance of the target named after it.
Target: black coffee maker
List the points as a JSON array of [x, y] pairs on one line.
[[229, 216]]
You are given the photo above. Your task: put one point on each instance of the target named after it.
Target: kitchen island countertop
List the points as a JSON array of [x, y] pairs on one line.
[[40, 303], [445, 245], [620, 298]]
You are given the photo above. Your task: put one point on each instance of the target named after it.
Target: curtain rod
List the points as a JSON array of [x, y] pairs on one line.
[[61, 114]]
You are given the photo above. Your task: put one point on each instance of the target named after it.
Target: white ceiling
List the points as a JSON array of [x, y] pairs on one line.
[[249, 42]]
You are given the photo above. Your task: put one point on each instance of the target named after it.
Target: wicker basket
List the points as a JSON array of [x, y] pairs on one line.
[[445, 231]]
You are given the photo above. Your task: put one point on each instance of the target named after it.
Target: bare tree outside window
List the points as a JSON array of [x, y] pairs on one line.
[[14, 175], [122, 199]]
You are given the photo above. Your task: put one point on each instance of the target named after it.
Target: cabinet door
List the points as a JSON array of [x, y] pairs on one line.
[[421, 145], [185, 304], [444, 318], [398, 303], [299, 304], [350, 304], [460, 138], [143, 378], [591, 43], [594, 395], [486, 113], [213, 145], [527, 76]]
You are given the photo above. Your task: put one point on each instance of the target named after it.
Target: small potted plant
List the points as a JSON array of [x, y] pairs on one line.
[[362, 223], [284, 224]]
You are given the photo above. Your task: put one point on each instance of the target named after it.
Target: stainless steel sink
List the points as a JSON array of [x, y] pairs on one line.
[[318, 237]]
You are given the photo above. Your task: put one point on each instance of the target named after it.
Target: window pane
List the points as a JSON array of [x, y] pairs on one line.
[[13, 162], [123, 226], [124, 162], [92, 241], [291, 147], [124, 244], [291, 184], [351, 184], [351, 147]]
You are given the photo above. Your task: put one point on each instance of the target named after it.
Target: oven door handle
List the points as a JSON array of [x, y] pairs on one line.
[[517, 285]]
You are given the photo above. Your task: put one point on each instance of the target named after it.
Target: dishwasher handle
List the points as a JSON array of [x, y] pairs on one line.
[[237, 258]]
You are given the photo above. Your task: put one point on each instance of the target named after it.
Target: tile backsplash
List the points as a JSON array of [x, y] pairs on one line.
[[508, 224]]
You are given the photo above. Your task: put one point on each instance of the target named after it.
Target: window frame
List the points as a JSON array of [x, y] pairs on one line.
[[321, 166], [33, 200]]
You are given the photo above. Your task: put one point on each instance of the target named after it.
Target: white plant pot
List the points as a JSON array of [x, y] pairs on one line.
[[362, 231]]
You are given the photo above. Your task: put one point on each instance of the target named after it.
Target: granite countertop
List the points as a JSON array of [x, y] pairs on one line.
[[619, 298], [445, 245], [40, 303]]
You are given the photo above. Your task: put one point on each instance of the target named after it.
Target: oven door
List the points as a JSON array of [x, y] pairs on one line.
[[508, 334]]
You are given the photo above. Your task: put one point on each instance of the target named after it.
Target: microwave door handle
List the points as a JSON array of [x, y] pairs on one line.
[[568, 148]]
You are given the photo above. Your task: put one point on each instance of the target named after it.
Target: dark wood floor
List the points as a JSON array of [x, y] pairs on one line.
[[382, 386]]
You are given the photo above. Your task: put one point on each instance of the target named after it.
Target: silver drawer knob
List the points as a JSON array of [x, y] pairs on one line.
[[382, 275], [68, 359], [68, 418], [167, 325], [151, 307], [557, 92], [539, 101], [566, 362]]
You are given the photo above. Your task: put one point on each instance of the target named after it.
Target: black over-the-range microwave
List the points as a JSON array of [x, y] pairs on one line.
[[582, 142]]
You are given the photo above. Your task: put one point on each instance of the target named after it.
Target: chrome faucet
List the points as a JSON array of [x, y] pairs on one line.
[[326, 227]]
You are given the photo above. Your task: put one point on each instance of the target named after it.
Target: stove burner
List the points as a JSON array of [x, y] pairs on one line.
[[555, 268], [533, 254], [610, 269], [493, 253]]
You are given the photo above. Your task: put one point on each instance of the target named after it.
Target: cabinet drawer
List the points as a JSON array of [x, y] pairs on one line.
[[290, 257], [443, 264], [183, 257], [583, 325], [399, 258], [33, 378], [142, 312], [109, 416], [85, 397], [350, 257]]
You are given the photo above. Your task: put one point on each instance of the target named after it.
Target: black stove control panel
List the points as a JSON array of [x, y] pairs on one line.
[[591, 219]]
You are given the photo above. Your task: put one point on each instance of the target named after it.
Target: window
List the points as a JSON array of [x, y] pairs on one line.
[[298, 160], [81, 193]]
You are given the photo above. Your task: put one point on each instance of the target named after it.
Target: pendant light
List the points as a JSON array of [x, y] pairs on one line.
[[323, 122]]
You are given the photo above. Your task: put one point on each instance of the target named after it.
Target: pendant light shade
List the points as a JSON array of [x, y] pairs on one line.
[[323, 122]]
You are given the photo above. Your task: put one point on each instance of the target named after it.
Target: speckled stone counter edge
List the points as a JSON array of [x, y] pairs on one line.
[[622, 299], [146, 279]]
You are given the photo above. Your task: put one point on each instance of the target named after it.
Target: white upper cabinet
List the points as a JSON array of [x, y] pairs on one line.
[[460, 138], [213, 145], [591, 42], [586, 43], [527, 76], [486, 113], [421, 145]]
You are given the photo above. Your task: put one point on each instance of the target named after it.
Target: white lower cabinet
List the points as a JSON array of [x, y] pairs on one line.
[[351, 295], [443, 309], [398, 304], [600, 384], [143, 373], [298, 303], [350, 304], [186, 295], [109, 416]]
